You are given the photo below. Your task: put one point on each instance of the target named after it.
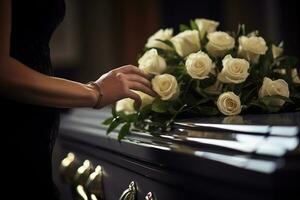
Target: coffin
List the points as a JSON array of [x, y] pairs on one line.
[[243, 157]]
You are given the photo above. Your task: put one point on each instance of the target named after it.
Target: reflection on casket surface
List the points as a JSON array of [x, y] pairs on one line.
[[213, 158]]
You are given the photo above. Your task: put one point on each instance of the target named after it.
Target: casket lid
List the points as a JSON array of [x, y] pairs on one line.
[[251, 146]]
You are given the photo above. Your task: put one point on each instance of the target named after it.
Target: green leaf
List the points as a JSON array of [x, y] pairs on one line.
[[114, 124], [171, 56], [144, 112], [286, 99], [187, 88], [202, 101], [183, 27], [208, 81], [289, 63], [241, 30], [160, 106], [127, 118], [265, 108], [266, 60], [204, 39], [247, 94], [267, 100], [274, 109], [132, 117], [190, 99], [265, 103], [124, 131], [108, 121], [199, 90], [258, 104], [277, 60], [167, 42], [196, 103], [237, 88], [113, 111], [177, 113], [193, 25]]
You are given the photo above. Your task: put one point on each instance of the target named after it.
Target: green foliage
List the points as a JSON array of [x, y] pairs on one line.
[[114, 124], [160, 106], [183, 27], [193, 25], [108, 121], [124, 131], [167, 42], [241, 30]]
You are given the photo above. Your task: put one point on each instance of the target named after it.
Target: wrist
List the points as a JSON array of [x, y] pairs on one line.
[[96, 94]]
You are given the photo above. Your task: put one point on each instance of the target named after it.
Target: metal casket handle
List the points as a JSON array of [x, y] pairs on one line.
[[130, 193]]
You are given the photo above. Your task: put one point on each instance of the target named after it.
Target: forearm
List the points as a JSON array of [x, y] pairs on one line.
[[20, 83]]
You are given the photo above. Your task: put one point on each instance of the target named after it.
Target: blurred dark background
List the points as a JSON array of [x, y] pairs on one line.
[[98, 35]]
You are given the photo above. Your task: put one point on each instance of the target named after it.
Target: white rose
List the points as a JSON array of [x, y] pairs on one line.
[[277, 87], [125, 105], [206, 26], [229, 104], [162, 34], [165, 86], [146, 99], [276, 51], [235, 70], [152, 63], [219, 43], [252, 47], [295, 76], [186, 42], [198, 65]]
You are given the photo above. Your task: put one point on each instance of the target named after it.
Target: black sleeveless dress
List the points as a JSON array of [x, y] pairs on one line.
[[28, 132]]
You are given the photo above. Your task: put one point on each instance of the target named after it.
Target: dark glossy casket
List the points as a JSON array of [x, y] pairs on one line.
[[241, 157]]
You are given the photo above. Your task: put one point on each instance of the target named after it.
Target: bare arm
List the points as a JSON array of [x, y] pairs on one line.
[[23, 84]]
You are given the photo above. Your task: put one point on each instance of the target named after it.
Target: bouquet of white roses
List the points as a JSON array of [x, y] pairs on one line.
[[205, 72]]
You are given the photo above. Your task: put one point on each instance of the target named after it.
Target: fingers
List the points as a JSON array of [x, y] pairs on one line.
[[140, 87], [137, 99], [119, 83], [140, 79], [143, 85], [130, 69]]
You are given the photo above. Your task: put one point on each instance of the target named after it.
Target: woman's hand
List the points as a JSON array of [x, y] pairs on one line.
[[119, 83]]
